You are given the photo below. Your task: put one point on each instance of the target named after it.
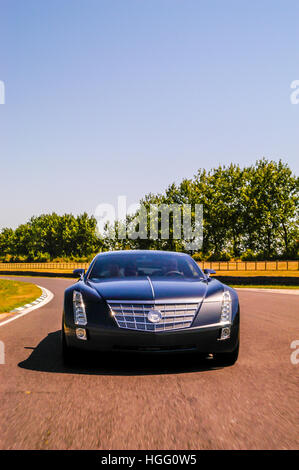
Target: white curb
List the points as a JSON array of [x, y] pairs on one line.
[[44, 299]]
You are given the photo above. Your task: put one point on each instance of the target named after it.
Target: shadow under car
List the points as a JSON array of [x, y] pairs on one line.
[[46, 357]]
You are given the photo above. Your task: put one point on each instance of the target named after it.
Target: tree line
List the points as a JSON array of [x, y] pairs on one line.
[[249, 213], [51, 237]]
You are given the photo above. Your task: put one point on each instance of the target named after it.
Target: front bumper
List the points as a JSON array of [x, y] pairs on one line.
[[202, 340]]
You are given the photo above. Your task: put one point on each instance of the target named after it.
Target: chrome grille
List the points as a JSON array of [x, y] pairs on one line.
[[133, 316]]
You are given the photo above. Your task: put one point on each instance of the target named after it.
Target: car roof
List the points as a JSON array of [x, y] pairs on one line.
[[125, 252]]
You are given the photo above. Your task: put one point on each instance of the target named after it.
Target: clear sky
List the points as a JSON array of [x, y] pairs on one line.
[[123, 97]]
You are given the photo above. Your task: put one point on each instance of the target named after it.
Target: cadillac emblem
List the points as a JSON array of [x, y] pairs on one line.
[[154, 316]]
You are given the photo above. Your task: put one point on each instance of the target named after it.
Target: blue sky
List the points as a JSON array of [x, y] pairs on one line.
[[123, 97]]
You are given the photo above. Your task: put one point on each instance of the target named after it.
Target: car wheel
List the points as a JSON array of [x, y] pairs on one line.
[[68, 354], [227, 359]]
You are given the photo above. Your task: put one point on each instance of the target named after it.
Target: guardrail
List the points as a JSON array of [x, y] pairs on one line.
[[216, 265]]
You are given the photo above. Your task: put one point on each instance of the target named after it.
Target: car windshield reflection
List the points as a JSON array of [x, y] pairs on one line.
[[154, 265]]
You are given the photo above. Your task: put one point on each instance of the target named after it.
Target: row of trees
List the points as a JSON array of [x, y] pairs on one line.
[[49, 237], [248, 213]]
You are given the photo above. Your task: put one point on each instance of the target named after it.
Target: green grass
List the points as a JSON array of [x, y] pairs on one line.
[[15, 294], [264, 287]]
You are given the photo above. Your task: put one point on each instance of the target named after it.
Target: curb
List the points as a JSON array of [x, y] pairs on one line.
[[35, 302], [45, 298]]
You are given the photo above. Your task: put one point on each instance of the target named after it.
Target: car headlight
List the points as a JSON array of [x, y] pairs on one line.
[[79, 309], [226, 308]]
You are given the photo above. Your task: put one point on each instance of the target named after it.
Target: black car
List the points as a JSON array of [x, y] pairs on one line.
[[150, 301]]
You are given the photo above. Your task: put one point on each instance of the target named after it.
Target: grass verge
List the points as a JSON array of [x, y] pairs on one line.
[[14, 294]]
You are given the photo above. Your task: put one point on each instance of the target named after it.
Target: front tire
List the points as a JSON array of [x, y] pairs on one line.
[[68, 354]]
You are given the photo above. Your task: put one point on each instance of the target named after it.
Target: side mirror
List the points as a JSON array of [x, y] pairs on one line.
[[208, 272], [79, 272]]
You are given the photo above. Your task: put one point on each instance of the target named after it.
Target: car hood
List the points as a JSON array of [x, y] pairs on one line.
[[155, 290]]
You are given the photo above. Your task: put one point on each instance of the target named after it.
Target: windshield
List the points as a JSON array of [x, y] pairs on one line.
[[165, 265]]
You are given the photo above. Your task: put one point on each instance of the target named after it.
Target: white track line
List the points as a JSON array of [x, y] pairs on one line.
[[269, 291], [47, 299]]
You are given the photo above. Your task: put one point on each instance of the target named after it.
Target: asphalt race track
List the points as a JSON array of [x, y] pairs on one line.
[[151, 402]]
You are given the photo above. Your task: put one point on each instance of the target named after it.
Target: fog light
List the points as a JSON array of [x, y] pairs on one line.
[[225, 333], [81, 333]]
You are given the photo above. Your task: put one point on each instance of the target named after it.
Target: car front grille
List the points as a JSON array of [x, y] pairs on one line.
[[134, 316]]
